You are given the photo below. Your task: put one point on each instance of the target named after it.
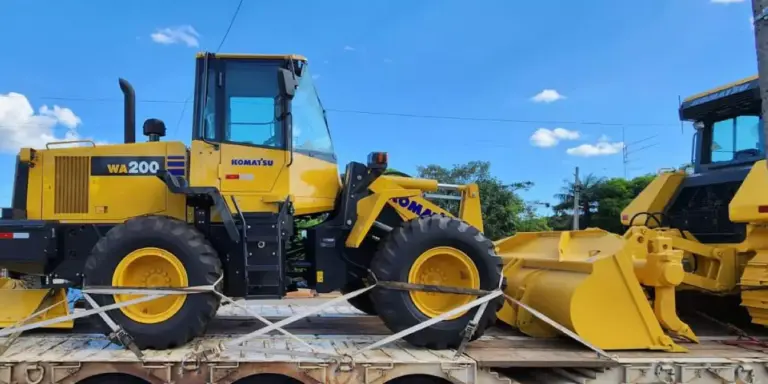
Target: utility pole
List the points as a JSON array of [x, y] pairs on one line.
[[576, 189], [625, 150], [760, 14], [624, 154]]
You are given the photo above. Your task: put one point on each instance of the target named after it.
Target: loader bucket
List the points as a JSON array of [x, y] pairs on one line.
[[19, 302], [587, 281]]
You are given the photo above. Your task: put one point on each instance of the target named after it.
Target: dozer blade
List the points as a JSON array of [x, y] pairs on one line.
[[18, 303], [590, 282]]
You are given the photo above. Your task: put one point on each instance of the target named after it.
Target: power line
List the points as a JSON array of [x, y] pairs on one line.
[[642, 148], [498, 120], [106, 100], [221, 43], [625, 150], [408, 115], [642, 140], [231, 23]]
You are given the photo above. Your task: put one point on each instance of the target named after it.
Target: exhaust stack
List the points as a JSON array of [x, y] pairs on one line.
[[129, 109]]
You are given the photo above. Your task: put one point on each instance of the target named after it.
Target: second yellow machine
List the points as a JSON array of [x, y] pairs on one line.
[[702, 233], [159, 214]]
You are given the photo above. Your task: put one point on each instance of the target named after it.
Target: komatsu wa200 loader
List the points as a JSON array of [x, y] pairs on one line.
[[159, 214]]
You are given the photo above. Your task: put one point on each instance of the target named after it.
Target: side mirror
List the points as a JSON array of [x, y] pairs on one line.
[[287, 82]]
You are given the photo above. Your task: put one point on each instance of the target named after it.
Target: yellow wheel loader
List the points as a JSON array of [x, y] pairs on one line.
[[160, 214], [705, 231]]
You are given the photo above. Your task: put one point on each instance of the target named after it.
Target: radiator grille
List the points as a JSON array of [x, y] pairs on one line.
[[71, 184]]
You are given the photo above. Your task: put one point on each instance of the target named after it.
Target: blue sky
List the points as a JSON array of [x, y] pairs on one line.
[[588, 61]]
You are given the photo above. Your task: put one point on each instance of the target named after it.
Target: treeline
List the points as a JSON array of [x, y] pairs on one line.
[[601, 200]]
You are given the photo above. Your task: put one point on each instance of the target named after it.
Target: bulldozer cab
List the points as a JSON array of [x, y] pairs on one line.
[[728, 125], [727, 143], [683, 230], [260, 133]]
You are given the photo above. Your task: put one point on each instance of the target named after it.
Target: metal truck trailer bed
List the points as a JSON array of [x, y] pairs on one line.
[[500, 357], [559, 361]]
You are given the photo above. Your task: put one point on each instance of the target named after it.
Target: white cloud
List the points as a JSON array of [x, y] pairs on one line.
[[21, 127], [603, 147], [547, 96], [65, 116], [726, 1], [545, 138], [184, 34], [348, 48]]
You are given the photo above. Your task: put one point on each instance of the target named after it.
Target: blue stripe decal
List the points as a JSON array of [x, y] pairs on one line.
[[176, 157], [176, 172], [176, 164]]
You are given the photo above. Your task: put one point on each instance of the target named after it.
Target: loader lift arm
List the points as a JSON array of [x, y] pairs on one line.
[[407, 197]]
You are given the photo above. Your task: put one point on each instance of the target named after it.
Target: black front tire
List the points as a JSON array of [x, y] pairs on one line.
[[395, 258], [202, 265]]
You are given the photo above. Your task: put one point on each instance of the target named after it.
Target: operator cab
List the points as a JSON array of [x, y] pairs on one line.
[[729, 132], [260, 118], [244, 101], [728, 141]]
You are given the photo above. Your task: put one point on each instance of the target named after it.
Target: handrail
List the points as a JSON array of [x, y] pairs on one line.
[[47, 145]]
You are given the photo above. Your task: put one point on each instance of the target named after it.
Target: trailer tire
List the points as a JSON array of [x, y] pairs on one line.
[[174, 254], [404, 255]]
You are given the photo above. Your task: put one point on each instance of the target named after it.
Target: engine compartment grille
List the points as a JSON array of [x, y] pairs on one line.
[[71, 184]]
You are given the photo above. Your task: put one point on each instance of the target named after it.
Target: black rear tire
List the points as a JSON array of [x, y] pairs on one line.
[[363, 302], [398, 253], [200, 262]]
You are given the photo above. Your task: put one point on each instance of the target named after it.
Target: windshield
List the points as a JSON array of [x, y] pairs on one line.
[[735, 139], [310, 128]]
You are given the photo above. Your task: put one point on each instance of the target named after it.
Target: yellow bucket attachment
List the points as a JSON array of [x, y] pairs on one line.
[[590, 282], [18, 303]]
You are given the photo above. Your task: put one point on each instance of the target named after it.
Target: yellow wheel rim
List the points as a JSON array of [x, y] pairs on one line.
[[151, 268], [444, 266]]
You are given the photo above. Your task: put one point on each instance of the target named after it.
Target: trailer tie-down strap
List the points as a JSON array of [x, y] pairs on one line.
[[239, 343]]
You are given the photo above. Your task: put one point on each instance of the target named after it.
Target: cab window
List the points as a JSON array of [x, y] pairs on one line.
[[735, 138], [310, 131], [205, 104], [209, 113], [250, 92]]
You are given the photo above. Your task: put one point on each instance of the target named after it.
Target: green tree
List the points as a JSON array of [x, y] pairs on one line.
[[601, 202], [504, 211], [588, 197]]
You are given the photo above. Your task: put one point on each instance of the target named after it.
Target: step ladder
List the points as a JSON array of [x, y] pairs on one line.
[[264, 237]]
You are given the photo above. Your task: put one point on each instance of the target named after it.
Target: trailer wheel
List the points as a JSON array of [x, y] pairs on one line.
[[156, 251], [437, 250]]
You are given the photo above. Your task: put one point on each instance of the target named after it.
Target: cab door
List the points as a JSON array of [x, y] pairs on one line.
[[253, 147]]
